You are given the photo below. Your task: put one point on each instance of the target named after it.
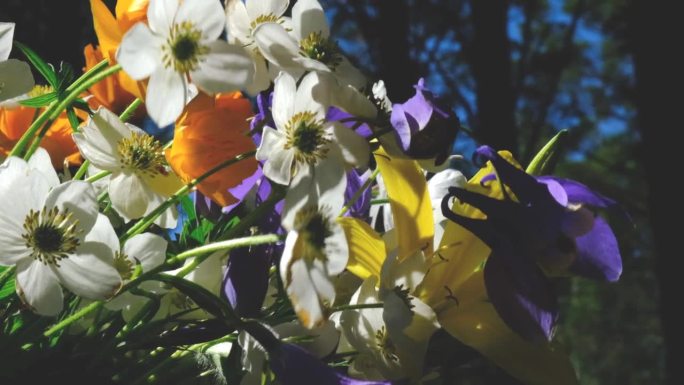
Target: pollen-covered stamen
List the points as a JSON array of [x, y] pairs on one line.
[[183, 51], [142, 153], [268, 18], [313, 227], [385, 345], [123, 265], [51, 234], [39, 90], [307, 136], [317, 47]]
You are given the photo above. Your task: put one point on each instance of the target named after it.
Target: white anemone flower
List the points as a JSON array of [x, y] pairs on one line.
[[15, 75], [304, 150], [315, 252], [242, 18], [438, 187], [54, 235], [140, 180], [307, 46], [178, 46], [391, 340]]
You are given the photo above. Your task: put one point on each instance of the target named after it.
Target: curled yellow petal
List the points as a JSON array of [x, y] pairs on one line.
[[410, 202], [366, 248], [480, 327]]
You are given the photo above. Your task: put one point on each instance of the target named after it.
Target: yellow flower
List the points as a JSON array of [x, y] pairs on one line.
[[211, 130], [454, 284], [117, 91], [57, 141]]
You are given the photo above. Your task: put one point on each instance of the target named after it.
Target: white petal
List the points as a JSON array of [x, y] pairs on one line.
[[168, 219], [256, 8], [301, 288], [302, 192], [79, 199], [336, 249], [438, 187], [103, 232], [226, 67], [354, 102], [6, 36], [284, 91], [207, 15], [160, 14], [39, 288], [130, 197], [277, 45], [313, 95], [149, 249], [331, 180], [166, 96], [237, 22], [21, 190], [347, 74], [15, 79], [209, 273], [140, 51], [90, 272], [308, 17], [278, 160], [355, 149], [262, 79], [40, 161]]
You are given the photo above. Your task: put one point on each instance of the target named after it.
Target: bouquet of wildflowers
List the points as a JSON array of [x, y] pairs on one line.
[[221, 197]]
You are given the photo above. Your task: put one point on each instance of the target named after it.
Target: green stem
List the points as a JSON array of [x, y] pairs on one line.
[[357, 306], [73, 318], [87, 75], [6, 274], [98, 176], [81, 170], [130, 110], [226, 245], [53, 111], [379, 201], [360, 191], [173, 199]]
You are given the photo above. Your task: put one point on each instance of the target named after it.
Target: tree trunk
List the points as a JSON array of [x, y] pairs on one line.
[[491, 65], [657, 56]]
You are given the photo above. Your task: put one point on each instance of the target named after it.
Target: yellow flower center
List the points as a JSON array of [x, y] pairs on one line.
[[142, 153], [306, 135], [316, 47], [183, 51], [123, 265], [51, 235], [269, 18], [313, 227], [386, 346]]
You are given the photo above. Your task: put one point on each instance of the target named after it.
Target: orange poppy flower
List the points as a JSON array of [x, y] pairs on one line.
[[117, 91], [211, 130], [57, 141]]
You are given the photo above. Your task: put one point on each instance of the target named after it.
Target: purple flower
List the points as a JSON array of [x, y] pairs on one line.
[[423, 127], [245, 281], [361, 206], [549, 229]]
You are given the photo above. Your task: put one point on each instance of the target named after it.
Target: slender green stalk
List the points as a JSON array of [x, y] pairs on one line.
[[379, 201], [226, 245], [73, 318], [98, 176], [87, 75], [5, 275], [81, 170], [150, 218], [360, 191], [53, 111], [357, 306]]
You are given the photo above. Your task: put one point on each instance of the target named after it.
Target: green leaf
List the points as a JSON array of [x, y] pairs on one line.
[[545, 161], [201, 296], [41, 66], [7, 288], [39, 101]]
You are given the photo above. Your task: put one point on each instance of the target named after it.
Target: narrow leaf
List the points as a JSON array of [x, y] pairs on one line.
[[39, 101], [41, 66], [545, 160]]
